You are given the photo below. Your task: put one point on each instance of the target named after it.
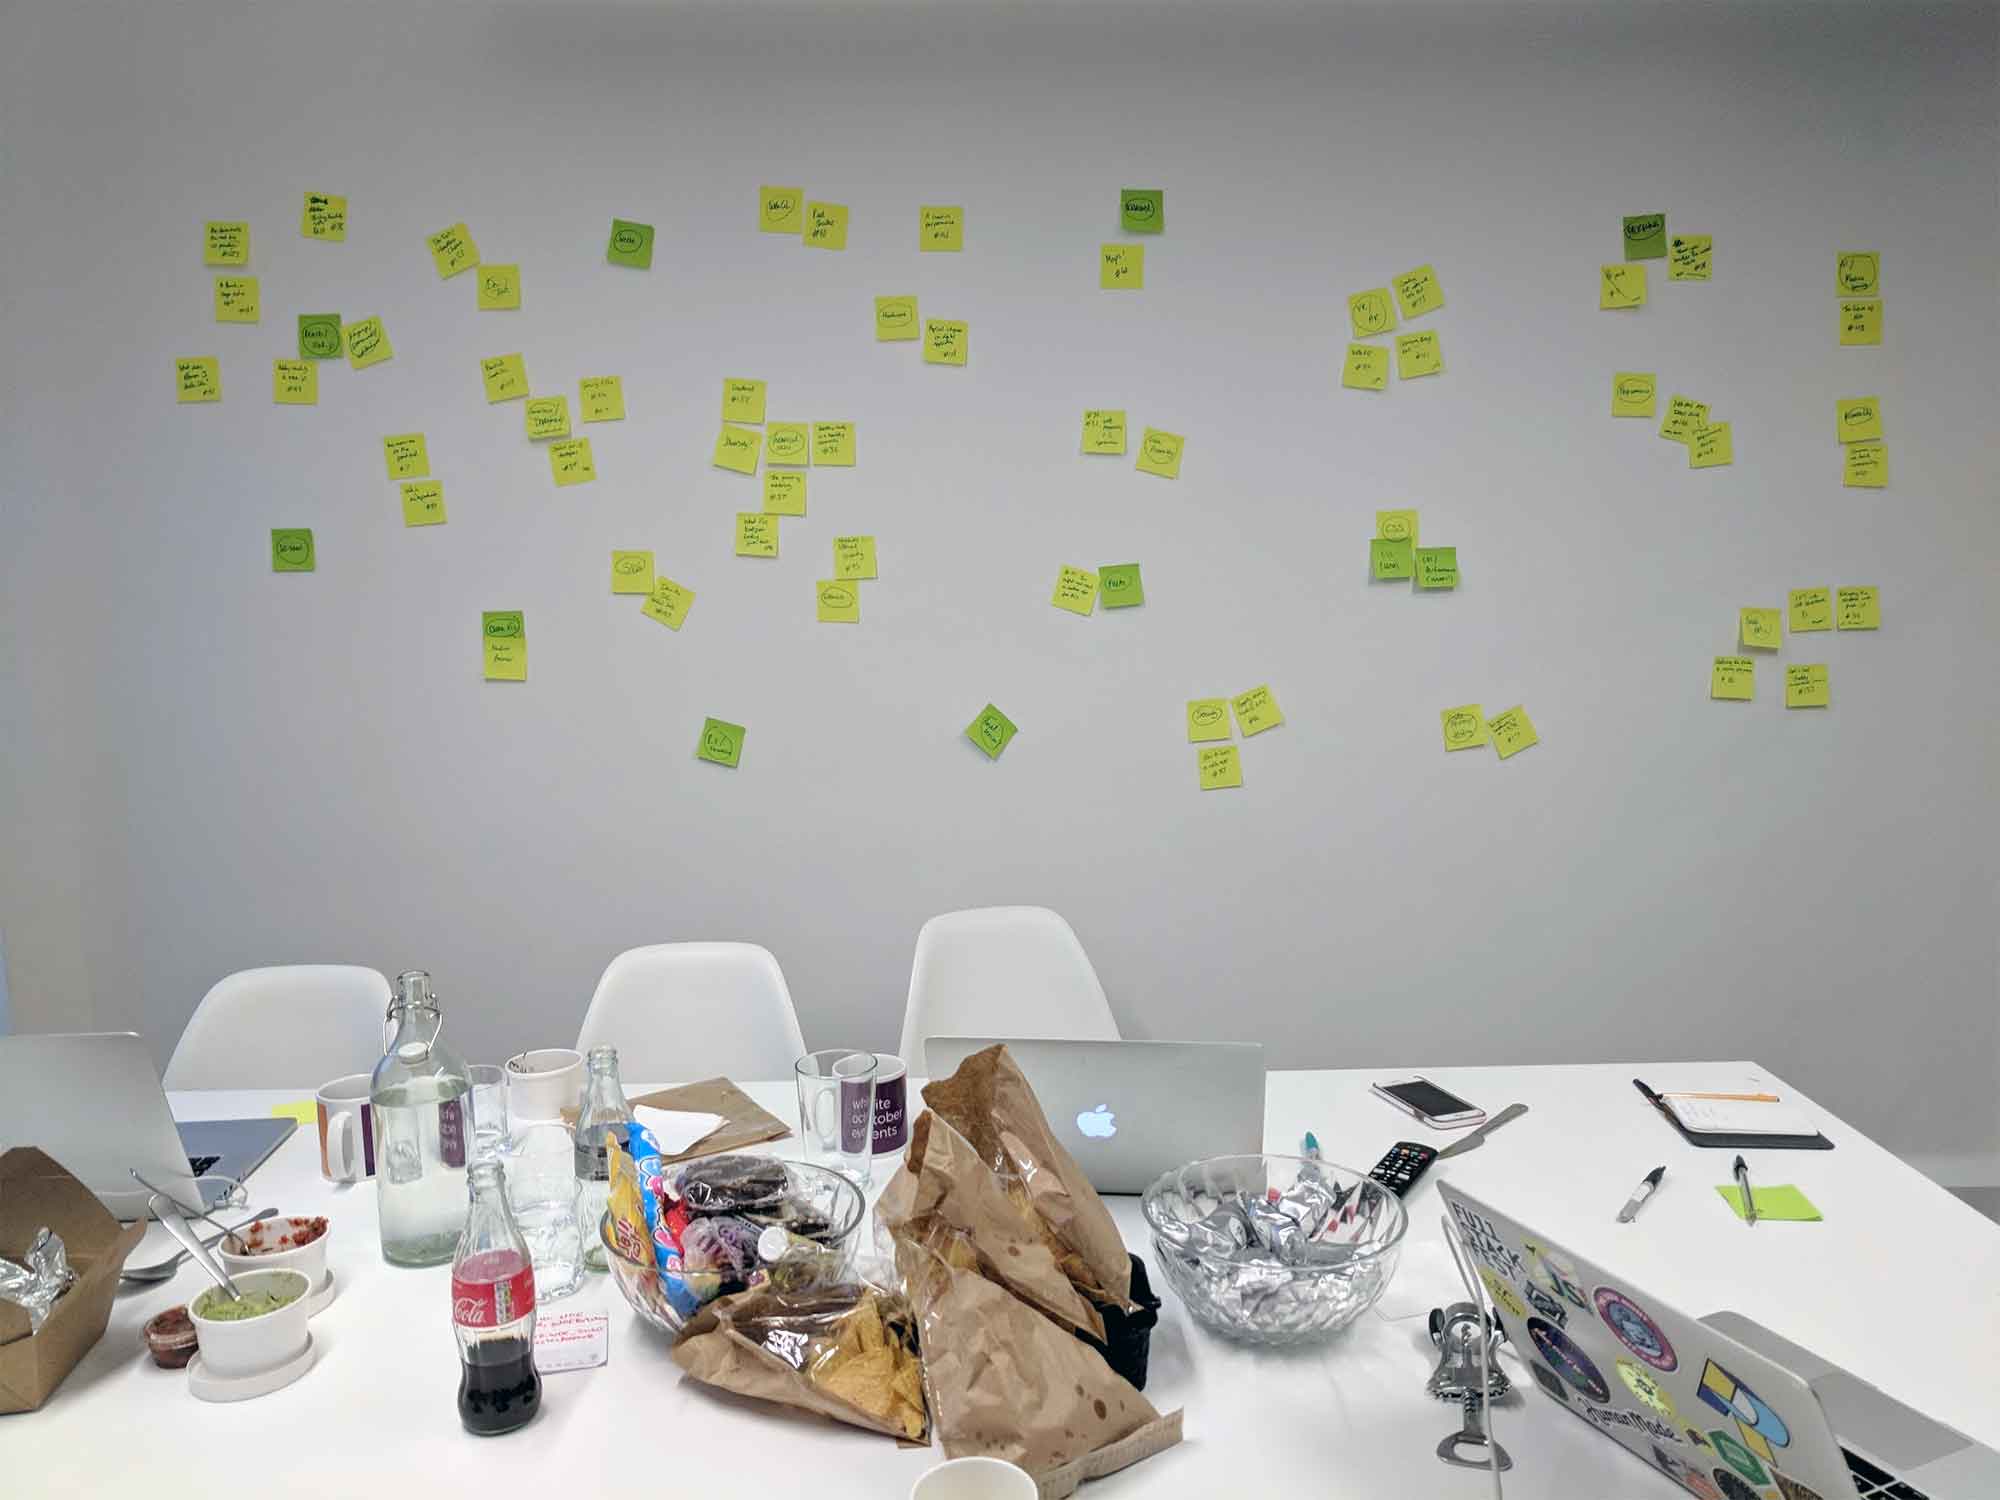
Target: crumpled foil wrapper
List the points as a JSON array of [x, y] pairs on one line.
[[45, 1277]]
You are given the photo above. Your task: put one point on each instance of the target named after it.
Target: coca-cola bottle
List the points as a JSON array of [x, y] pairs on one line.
[[493, 1312]]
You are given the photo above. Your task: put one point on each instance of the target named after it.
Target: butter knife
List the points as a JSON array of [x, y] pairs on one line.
[[1478, 1137]]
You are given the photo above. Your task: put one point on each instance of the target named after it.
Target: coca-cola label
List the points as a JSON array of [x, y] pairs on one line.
[[492, 1288], [451, 1132]]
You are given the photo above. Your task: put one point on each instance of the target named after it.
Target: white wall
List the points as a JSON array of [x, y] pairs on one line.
[[209, 766]]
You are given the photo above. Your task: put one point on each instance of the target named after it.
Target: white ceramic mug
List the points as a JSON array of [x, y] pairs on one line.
[[542, 1084], [975, 1479], [346, 1129]]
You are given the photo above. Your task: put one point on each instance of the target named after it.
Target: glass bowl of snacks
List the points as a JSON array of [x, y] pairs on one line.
[[1274, 1249], [720, 1224]]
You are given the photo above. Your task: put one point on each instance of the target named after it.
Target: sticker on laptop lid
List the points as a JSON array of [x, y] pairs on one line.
[[1549, 1383], [1484, 1241], [1646, 1388], [1634, 1329], [1553, 1274], [1739, 1458], [1547, 1305], [1690, 1479], [1567, 1360], [1791, 1489], [1734, 1488], [1760, 1428], [1502, 1293]]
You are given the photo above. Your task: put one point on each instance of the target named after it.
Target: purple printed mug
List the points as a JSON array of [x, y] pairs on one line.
[[892, 1119]]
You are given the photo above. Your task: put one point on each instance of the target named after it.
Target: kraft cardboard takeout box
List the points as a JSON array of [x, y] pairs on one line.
[[34, 1191]]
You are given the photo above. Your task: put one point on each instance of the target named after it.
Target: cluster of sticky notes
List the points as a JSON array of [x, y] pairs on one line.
[[1218, 766], [504, 637], [1466, 727], [991, 730], [1857, 276], [1372, 314], [633, 572], [292, 549], [1622, 284], [1395, 553], [1758, 628], [945, 341], [1709, 443], [408, 459], [837, 600], [787, 210], [784, 448], [1857, 423], [1159, 451], [1121, 267], [1079, 589]]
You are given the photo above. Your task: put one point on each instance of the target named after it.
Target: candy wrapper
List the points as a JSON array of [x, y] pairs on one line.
[[44, 1277], [847, 1351], [645, 1219]]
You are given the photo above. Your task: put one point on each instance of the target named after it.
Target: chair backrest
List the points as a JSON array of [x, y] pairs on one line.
[[292, 1026], [681, 1011], [1002, 971]]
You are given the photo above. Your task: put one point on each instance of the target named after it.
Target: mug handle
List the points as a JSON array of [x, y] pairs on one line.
[[340, 1145]]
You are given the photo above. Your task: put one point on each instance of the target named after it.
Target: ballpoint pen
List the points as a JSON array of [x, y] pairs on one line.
[[1641, 1195], [1743, 1186]]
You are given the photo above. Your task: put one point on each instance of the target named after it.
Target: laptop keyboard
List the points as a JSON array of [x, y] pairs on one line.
[[199, 1165], [1873, 1483]]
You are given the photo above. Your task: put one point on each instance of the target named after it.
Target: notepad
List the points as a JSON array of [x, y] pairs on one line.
[[1739, 1116]]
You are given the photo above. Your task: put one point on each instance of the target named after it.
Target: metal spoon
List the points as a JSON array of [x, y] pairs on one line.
[[160, 1270], [175, 1225]]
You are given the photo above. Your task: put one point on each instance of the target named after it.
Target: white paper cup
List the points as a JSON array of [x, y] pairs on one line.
[[975, 1479], [542, 1084], [254, 1345]]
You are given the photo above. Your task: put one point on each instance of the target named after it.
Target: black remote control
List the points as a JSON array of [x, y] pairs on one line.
[[1400, 1169]]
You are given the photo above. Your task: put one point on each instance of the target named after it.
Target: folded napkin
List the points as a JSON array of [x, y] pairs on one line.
[[676, 1130]]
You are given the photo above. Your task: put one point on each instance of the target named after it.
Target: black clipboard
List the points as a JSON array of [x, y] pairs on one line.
[[1738, 1141]]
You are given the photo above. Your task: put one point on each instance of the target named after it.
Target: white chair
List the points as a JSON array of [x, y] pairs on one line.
[[291, 1026], [681, 1011], [1002, 971]]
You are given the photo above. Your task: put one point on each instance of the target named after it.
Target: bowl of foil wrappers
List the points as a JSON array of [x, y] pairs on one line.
[[1274, 1249]]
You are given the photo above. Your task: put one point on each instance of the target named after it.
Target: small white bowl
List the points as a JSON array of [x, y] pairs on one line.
[[309, 1258], [250, 1346]]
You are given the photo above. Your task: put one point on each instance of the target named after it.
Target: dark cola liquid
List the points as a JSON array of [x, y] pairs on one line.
[[498, 1388]]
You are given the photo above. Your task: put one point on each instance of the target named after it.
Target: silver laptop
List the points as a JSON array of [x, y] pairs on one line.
[[1721, 1405], [93, 1102], [1128, 1111]]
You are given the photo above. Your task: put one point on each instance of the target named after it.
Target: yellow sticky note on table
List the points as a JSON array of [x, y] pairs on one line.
[[1621, 286], [1858, 419], [1464, 727], [546, 417], [1866, 466], [1121, 268], [788, 444], [837, 602], [1418, 292], [423, 502], [945, 342], [1685, 417], [1633, 393], [366, 342], [225, 242], [324, 217], [1512, 732], [1207, 719], [1370, 313], [1366, 369], [1861, 321], [1690, 257], [1418, 354], [781, 210], [1220, 767], [742, 400], [1857, 273], [1760, 629], [1257, 711], [506, 377], [295, 382], [1160, 453], [1076, 591], [499, 288], [1103, 431], [853, 557], [1857, 608], [1810, 609], [833, 444], [236, 299], [631, 572], [1806, 686], [452, 251], [736, 449], [305, 1111], [756, 534], [1396, 526], [784, 493], [895, 319], [1733, 678], [198, 378], [570, 462], [1780, 1201], [668, 603], [407, 455], [826, 226], [602, 398], [941, 226], [1711, 447]]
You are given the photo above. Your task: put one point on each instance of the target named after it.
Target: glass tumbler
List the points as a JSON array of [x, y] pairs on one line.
[[541, 1189], [837, 1110]]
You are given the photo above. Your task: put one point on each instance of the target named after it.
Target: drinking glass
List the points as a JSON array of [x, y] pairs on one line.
[[541, 1189], [837, 1110], [489, 1110]]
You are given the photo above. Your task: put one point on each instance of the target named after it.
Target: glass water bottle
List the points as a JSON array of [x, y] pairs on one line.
[[422, 1124], [602, 1114]]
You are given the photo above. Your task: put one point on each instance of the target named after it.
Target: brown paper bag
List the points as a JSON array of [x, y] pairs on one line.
[[989, 1103], [745, 1122], [943, 1193]]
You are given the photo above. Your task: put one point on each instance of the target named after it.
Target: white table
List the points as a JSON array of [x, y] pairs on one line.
[[1342, 1418]]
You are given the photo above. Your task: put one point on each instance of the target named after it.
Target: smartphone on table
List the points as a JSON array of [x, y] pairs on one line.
[[1437, 1106]]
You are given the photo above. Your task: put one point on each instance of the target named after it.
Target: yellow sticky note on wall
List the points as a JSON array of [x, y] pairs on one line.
[[1512, 732], [406, 455], [1121, 268], [1207, 719], [1861, 321], [1418, 292], [366, 342], [756, 534], [784, 493], [836, 602], [853, 557], [225, 242], [1257, 711], [668, 603], [423, 502], [1733, 679], [546, 417], [506, 377], [1076, 590], [1866, 466], [1857, 273], [1103, 431], [826, 226], [941, 226], [1366, 369], [570, 462], [788, 444], [833, 444], [1760, 629], [602, 398], [1857, 608], [742, 400], [197, 378], [1690, 257], [1621, 286], [1160, 453], [631, 572], [1464, 727], [499, 288], [1685, 417], [236, 299], [1810, 609], [504, 634], [324, 217], [1396, 526], [1633, 393], [1806, 686], [295, 382], [945, 342], [895, 319], [1418, 354], [736, 449], [452, 251], [1370, 313], [781, 210], [1220, 767], [1858, 419], [1711, 447]]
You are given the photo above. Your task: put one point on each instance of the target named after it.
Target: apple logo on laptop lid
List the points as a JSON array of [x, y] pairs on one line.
[[1098, 1124]]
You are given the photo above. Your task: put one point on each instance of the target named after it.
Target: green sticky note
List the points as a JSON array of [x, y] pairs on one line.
[[292, 550], [991, 731], [1780, 1201], [1391, 558], [1143, 210], [631, 245], [319, 335], [1645, 236], [504, 639], [1437, 567], [1118, 586], [1207, 719], [721, 743]]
